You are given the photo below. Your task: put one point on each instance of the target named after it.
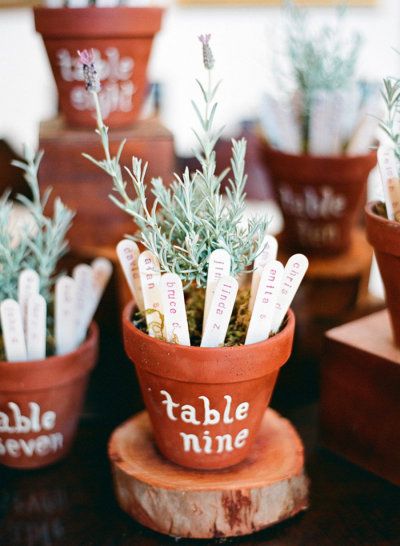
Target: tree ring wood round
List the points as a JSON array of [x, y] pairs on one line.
[[268, 487]]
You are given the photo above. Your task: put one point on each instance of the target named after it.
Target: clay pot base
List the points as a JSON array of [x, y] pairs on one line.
[[268, 487]]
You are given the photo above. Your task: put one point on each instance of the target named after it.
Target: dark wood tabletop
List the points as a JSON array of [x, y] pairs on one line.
[[72, 503]]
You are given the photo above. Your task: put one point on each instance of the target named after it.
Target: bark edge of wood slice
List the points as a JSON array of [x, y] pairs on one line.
[[268, 487]]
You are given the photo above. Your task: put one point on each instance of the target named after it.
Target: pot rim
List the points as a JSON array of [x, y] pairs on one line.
[[383, 234], [370, 211], [126, 318], [93, 334], [342, 158], [108, 22]]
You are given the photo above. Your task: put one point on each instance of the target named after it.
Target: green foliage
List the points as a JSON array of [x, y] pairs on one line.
[[391, 125], [322, 60], [189, 219], [41, 242]]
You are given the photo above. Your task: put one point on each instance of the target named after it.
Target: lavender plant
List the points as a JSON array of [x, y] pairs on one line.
[[41, 242], [189, 219], [390, 125]]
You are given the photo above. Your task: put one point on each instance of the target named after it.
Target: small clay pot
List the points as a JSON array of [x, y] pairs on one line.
[[384, 236], [40, 404], [320, 197], [206, 404], [121, 37]]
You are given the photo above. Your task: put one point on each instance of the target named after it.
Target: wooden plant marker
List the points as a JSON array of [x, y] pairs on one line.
[[128, 254], [65, 315], [85, 294], [219, 265], [264, 306], [267, 255], [150, 277], [220, 312], [388, 168], [13, 331], [28, 285], [36, 328], [293, 274], [173, 303], [268, 487]]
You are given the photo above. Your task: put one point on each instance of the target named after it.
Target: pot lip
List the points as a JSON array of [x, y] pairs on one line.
[[107, 10], [53, 360], [126, 318], [385, 222], [342, 158]]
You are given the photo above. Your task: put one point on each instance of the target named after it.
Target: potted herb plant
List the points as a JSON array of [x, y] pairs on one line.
[[122, 38], [48, 342], [315, 145], [383, 217], [207, 357]]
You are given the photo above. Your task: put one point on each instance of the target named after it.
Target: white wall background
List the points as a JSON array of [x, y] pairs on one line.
[[244, 42]]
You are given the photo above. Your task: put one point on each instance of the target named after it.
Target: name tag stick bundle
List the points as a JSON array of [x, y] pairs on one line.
[[206, 357]]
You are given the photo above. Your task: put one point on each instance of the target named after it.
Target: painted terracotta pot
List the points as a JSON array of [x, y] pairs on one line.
[[206, 404], [121, 37], [320, 197], [40, 405], [384, 236]]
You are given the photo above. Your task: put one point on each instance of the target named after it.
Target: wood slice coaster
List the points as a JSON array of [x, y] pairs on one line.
[[268, 487]]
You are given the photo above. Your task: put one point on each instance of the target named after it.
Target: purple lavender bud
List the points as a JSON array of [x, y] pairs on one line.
[[208, 58], [90, 75]]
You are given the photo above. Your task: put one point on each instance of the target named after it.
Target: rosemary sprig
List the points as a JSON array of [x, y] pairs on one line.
[[189, 219]]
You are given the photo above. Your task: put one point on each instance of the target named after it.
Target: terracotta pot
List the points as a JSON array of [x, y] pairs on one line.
[[206, 404], [384, 236], [320, 197], [40, 404], [121, 37]]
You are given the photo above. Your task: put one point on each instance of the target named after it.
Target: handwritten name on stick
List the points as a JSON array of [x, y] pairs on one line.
[[388, 167], [150, 277], [36, 328], [173, 302], [128, 254], [268, 254], [220, 312], [264, 304], [28, 285], [219, 265], [65, 315], [13, 331], [293, 274]]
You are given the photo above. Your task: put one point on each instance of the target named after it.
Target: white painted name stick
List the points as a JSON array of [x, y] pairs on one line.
[[388, 167], [36, 328], [65, 315], [13, 332], [268, 254], [219, 265], [264, 304], [85, 294], [150, 276], [293, 274], [128, 254], [28, 285], [173, 302], [220, 312]]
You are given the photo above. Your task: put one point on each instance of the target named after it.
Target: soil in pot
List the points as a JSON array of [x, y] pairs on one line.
[[206, 404], [384, 236], [320, 197], [121, 38], [40, 405]]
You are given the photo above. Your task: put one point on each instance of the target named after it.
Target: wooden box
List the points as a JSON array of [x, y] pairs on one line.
[[360, 395], [86, 189]]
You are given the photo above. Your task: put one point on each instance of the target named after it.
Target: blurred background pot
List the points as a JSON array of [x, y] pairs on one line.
[[206, 404], [384, 236], [121, 38], [40, 405], [320, 197]]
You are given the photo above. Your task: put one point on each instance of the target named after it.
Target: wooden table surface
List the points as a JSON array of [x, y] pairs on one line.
[[72, 503]]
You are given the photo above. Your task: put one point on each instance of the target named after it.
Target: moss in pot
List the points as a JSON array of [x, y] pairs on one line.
[[206, 376]]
